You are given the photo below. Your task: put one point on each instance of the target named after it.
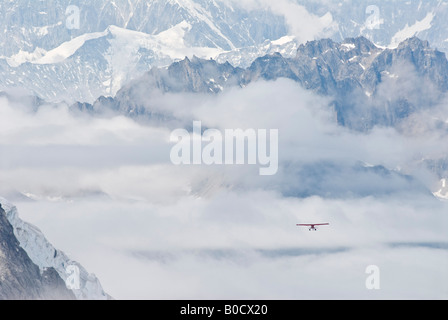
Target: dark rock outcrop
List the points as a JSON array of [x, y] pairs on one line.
[[20, 278]]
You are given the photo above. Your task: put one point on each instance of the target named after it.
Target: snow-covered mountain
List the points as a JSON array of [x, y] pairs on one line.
[[117, 41], [30, 25], [21, 278], [42, 254], [442, 193], [97, 64], [365, 82], [386, 23], [59, 50], [101, 63]]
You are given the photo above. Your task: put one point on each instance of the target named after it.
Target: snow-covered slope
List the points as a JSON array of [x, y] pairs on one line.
[[224, 24], [117, 41], [415, 29], [20, 278], [97, 64], [356, 74], [442, 193], [243, 57], [387, 23], [44, 255]]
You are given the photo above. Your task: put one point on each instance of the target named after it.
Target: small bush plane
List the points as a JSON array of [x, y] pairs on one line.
[[312, 226]]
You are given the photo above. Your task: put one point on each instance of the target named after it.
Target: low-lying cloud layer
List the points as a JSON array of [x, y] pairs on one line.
[[246, 246], [109, 196]]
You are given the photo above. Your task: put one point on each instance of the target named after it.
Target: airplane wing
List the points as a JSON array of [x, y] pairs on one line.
[[311, 225]]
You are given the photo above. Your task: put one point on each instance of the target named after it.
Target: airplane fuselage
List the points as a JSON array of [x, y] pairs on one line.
[[312, 226]]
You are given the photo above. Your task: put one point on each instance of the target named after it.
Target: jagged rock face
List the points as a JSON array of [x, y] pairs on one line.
[[240, 33], [357, 73], [369, 86], [20, 278], [393, 21], [427, 61], [43, 23], [46, 257], [196, 75], [119, 41]]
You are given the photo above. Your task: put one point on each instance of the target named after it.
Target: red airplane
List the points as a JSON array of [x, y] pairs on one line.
[[313, 226]]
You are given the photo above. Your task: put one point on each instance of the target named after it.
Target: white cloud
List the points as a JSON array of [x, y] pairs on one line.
[[144, 250], [225, 232], [302, 24]]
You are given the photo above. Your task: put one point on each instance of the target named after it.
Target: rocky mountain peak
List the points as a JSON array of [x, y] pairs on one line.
[[343, 70], [20, 278]]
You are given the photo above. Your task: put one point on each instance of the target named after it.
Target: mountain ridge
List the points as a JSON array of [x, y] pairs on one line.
[[353, 72], [20, 278], [52, 263], [169, 30]]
